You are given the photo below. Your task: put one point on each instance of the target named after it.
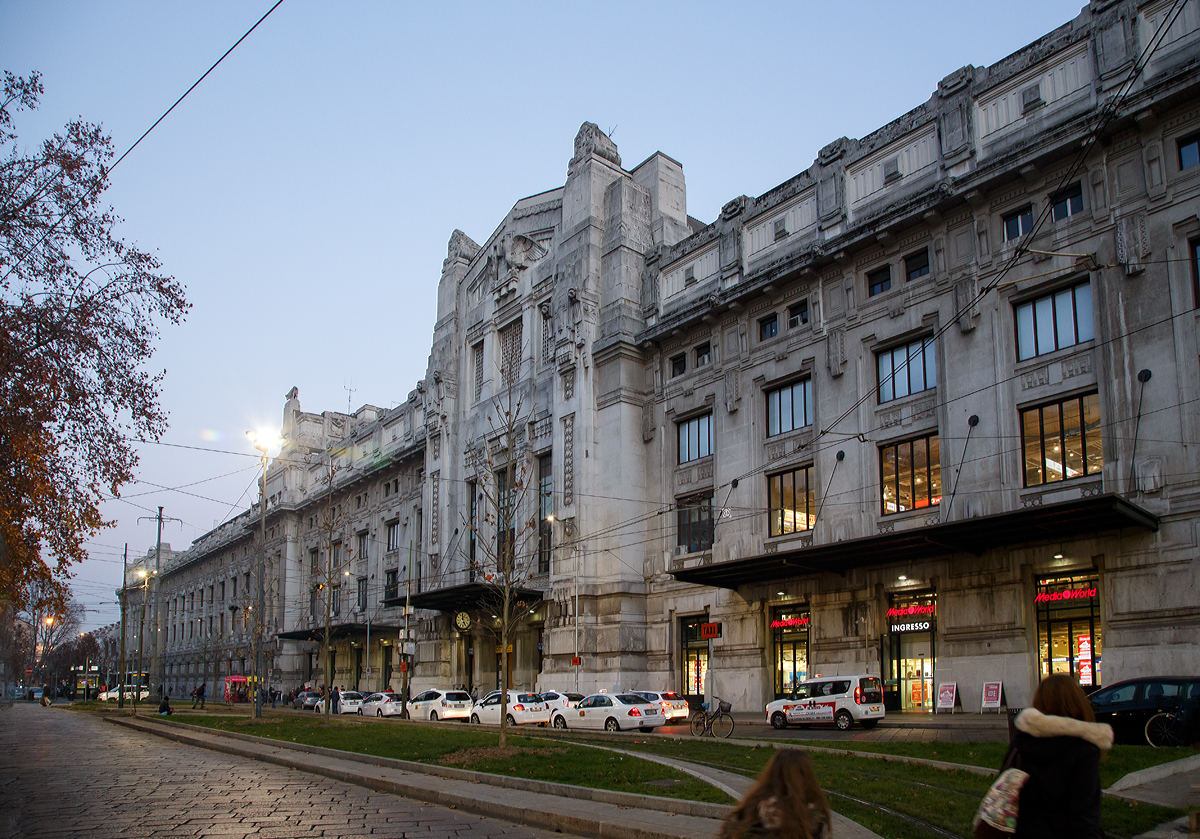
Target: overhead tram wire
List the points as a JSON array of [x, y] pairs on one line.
[[88, 193]]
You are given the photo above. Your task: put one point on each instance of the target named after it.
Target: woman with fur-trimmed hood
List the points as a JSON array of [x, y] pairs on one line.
[[1059, 743]]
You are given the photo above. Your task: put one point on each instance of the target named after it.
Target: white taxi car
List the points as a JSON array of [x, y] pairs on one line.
[[611, 712], [380, 705], [841, 700], [674, 707], [440, 705], [349, 702], [523, 709]]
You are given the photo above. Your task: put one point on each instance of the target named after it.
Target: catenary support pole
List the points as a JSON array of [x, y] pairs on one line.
[[122, 669]]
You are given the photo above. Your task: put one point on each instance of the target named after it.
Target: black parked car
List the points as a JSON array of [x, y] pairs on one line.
[[1127, 706]]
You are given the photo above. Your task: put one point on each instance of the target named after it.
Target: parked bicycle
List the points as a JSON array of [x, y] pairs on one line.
[[716, 724], [1165, 729]]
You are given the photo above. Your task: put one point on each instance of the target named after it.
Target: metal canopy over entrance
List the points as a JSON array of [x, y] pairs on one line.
[[338, 632], [463, 597], [1052, 522]]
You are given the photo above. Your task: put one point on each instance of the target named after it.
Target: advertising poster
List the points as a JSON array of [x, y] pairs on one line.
[[946, 694], [991, 695], [811, 712], [1084, 658]]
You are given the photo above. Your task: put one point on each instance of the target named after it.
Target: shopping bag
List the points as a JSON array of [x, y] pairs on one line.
[[997, 815]]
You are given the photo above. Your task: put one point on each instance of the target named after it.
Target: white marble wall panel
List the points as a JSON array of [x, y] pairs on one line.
[[1058, 78], [704, 265], [1185, 25], [799, 216], [912, 153]]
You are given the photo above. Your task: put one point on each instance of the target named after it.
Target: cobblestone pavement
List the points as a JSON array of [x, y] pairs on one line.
[[68, 774]]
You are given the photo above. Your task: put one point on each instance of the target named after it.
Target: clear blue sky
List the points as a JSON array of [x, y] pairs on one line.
[[306, 190]]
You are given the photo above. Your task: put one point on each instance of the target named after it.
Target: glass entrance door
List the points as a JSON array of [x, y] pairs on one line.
[[693, 660], [1069, 631], [916, 672], [789, 633]]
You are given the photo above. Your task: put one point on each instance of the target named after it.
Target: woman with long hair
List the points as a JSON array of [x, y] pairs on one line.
[[785, 803], [1059, 744]]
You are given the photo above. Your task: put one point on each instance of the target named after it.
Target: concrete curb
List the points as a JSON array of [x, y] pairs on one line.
[[182, 733], [1156, 773]]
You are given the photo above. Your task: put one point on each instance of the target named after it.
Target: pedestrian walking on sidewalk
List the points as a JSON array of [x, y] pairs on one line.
[[1058, 743], [200, 694], [785, 803]]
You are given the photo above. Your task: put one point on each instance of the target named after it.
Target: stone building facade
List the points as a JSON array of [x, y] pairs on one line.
[[925, 410]]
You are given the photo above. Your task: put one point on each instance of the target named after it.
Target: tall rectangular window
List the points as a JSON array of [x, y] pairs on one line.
[[1194, 250], [337, 555], [1054, 321], [768, 327], [510, 352], [362, 594], [907, 369], [472, 526], [362, 546], [678, 365], [337, 599], [791, 501], [1068, 203], [703, 354], [797, 314], [789, 408], [391, 584], [695, 519], [547, 335], [910, 475], [393, 535], [477, 361], [1018, 223], [695, 438], [506, 497], [916, 264], [1189, 152], [879, 280], [1062, 440], [545, 511]]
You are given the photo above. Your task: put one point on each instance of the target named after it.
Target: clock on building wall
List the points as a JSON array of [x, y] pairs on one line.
[[463, 620]]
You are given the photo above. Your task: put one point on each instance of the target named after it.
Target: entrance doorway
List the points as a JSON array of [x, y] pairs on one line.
[[1069, 632], [693, 659], [912, 635], [789, 628]]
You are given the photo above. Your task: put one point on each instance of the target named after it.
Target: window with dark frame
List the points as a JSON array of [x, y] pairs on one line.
[[1061, 440], [506, 535], [362, 594], [789, 407], [472, 526], [363, 542], [695, 438], [1017, 223], [393, 535], [907, 369], [391, 584], [916, 264], [768, 327], [1053, 321], [797, 314], [1067, 203], [337, 600], [704, 354], [910, 475], [879, 280], [314, 561], [477, 361], [1189, 152], [678, 365], [695, 519], [545, 511], [791, 501], [1194, 247]]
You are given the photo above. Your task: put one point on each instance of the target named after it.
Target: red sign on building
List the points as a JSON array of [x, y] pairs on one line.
[[710, 630]]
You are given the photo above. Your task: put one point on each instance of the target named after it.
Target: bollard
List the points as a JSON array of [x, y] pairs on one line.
[[1194, 814]]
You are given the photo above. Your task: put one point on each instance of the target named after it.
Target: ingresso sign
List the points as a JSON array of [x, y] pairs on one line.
[[918, 626]]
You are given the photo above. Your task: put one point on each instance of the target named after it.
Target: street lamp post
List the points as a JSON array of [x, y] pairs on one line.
[[261, 446], [137, 687]]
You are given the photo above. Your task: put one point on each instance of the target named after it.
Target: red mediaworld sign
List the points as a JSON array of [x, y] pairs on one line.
[[915, 609], [1069, 594], [783, 623]]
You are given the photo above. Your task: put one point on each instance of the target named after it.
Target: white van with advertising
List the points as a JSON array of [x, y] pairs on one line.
[[841, 700]]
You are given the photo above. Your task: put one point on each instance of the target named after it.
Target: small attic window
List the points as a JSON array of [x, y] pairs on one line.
[[689, 275], [781, 230], [891, 170]]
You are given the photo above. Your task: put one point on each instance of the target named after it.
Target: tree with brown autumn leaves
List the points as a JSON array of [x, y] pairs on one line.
[[80, 311]]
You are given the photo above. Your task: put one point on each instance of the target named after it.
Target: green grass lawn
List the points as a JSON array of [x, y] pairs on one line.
[[946, 799], [456, 745]]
